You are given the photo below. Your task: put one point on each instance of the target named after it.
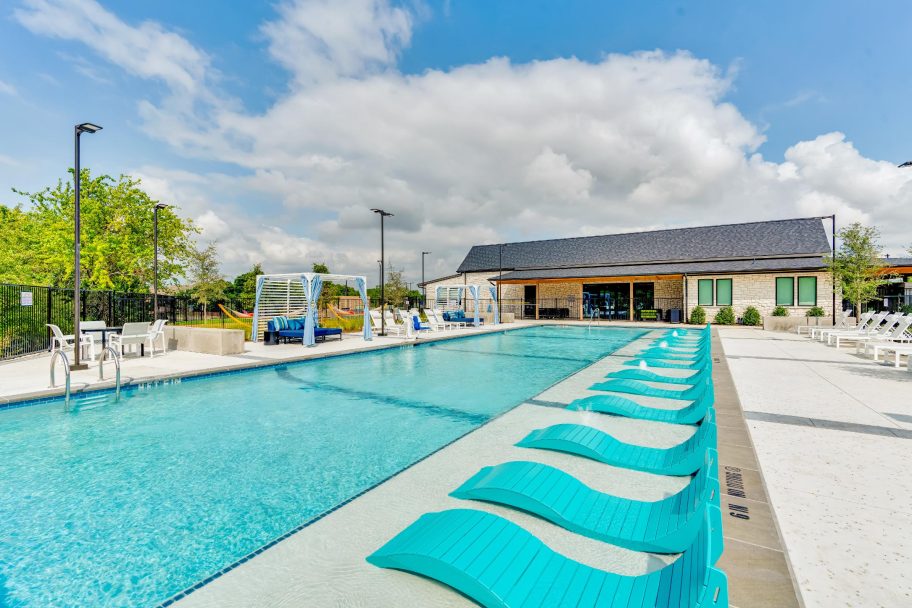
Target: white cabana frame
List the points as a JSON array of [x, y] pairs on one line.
[[291, 294], [474, 290]]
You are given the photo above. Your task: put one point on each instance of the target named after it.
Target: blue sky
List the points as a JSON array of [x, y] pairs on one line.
[[793, 72]]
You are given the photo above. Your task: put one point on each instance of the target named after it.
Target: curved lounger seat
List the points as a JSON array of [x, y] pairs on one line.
[[669, 525], [667, 353], [621, 406], [686, 458], [636, 387], [501, 565], [649, 376], [657, 362]]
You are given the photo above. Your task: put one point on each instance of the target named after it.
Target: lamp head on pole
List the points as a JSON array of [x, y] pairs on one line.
[[87, 127], [382, 212], [161, 206]]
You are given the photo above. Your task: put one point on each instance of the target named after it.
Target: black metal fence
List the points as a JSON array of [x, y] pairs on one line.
[[26, 310], [573, 308]]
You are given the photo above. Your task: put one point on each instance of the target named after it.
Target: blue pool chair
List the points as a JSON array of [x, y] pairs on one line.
[[658, 362], [501, 565], [646, 375], [636, 387], [686, 458], [669, 525], [621, 406], [666, 353]]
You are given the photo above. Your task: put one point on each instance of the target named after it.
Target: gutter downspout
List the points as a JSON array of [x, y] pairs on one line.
[[686, 315]]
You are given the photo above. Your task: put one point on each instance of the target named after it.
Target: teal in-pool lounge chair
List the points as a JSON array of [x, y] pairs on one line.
[[621, 406], [686, 458], [656, 362], [649, 376], [636, 387], [669, 525], [501, 565], [669, 353]]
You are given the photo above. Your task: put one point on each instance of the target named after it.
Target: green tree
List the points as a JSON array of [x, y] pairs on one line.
[[208, 286], [857, 264], [243, 287], [320, 267], [36, 241]]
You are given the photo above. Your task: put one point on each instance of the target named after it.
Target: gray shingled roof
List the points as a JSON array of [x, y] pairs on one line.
[[720, 266], [898, 261], [782, 238]]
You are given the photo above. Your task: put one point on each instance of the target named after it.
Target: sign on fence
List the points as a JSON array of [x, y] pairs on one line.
[[25, 298]]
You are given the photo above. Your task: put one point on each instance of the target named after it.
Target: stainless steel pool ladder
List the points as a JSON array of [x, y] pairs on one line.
[[66, 368], [592, 315], [101, 359]]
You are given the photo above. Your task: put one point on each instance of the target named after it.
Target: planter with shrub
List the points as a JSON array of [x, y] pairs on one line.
[[780, 311], [698, 316], [814, 311], [751, 317]]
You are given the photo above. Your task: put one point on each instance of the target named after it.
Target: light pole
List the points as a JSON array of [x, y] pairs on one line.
[[79, 129], [383, 215], [833, 217], [424, 287], [499, 280], [155, 260]]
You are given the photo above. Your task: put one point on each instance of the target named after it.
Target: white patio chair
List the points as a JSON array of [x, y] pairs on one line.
[[457, 324], [64, 342], [842, 322], [434, 320], [898, 350], [867, 322], [133, 334], [899, 334], [391, 327], [157, 332], [876, 331]]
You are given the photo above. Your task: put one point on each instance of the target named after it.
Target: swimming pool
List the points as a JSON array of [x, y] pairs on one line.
[[128, 503]]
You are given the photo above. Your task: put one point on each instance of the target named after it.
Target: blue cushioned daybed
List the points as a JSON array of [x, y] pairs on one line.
[[293, 329], [458, 316]]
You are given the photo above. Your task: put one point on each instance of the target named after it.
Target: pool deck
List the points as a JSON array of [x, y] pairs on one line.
[[28, 378]]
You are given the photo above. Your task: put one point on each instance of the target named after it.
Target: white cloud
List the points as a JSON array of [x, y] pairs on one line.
[[7, 89], [478, 153], [320, 39]]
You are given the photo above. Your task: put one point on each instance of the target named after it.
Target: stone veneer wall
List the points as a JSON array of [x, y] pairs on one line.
[[669, 288], [759, 291]]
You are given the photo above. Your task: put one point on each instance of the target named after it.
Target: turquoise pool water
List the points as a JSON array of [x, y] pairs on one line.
[[128, 503]]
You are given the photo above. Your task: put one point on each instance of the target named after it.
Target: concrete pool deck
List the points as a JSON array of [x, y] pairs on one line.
[[833, 433], [27, 378]]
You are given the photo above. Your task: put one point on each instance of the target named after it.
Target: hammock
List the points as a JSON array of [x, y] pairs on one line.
[[243, 320]]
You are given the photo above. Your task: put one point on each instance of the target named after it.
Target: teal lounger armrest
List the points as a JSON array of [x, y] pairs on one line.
[[621, 406]]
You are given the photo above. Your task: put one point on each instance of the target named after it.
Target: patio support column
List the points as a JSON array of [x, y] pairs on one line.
[[579, 308], [537, 294], [630, 303]]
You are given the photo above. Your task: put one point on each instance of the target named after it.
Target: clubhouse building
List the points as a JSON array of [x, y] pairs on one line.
[[661, 274]]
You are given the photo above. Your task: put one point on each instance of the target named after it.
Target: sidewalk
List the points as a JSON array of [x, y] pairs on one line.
[[832, 432]]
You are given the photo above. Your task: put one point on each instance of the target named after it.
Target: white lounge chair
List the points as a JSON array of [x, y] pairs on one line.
[[457, 324], [64, 342], [131, 335], [157, 332], [877, 332], [436, 322], [391, 326], [898, 351], [899, 334], [867, 322], [842, 322]]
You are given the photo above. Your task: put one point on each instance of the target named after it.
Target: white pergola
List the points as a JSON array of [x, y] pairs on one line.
[[474, 290], [293, 294]]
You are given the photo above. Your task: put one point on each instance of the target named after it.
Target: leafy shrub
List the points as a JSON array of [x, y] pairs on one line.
[[751, 316], [780, 311], [698, 316], [906, 308], [725, 316], [814, 311]]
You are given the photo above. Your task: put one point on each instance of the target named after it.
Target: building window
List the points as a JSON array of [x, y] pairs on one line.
[[807, 291], [723, 292], [705, 292], [785, 291]]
